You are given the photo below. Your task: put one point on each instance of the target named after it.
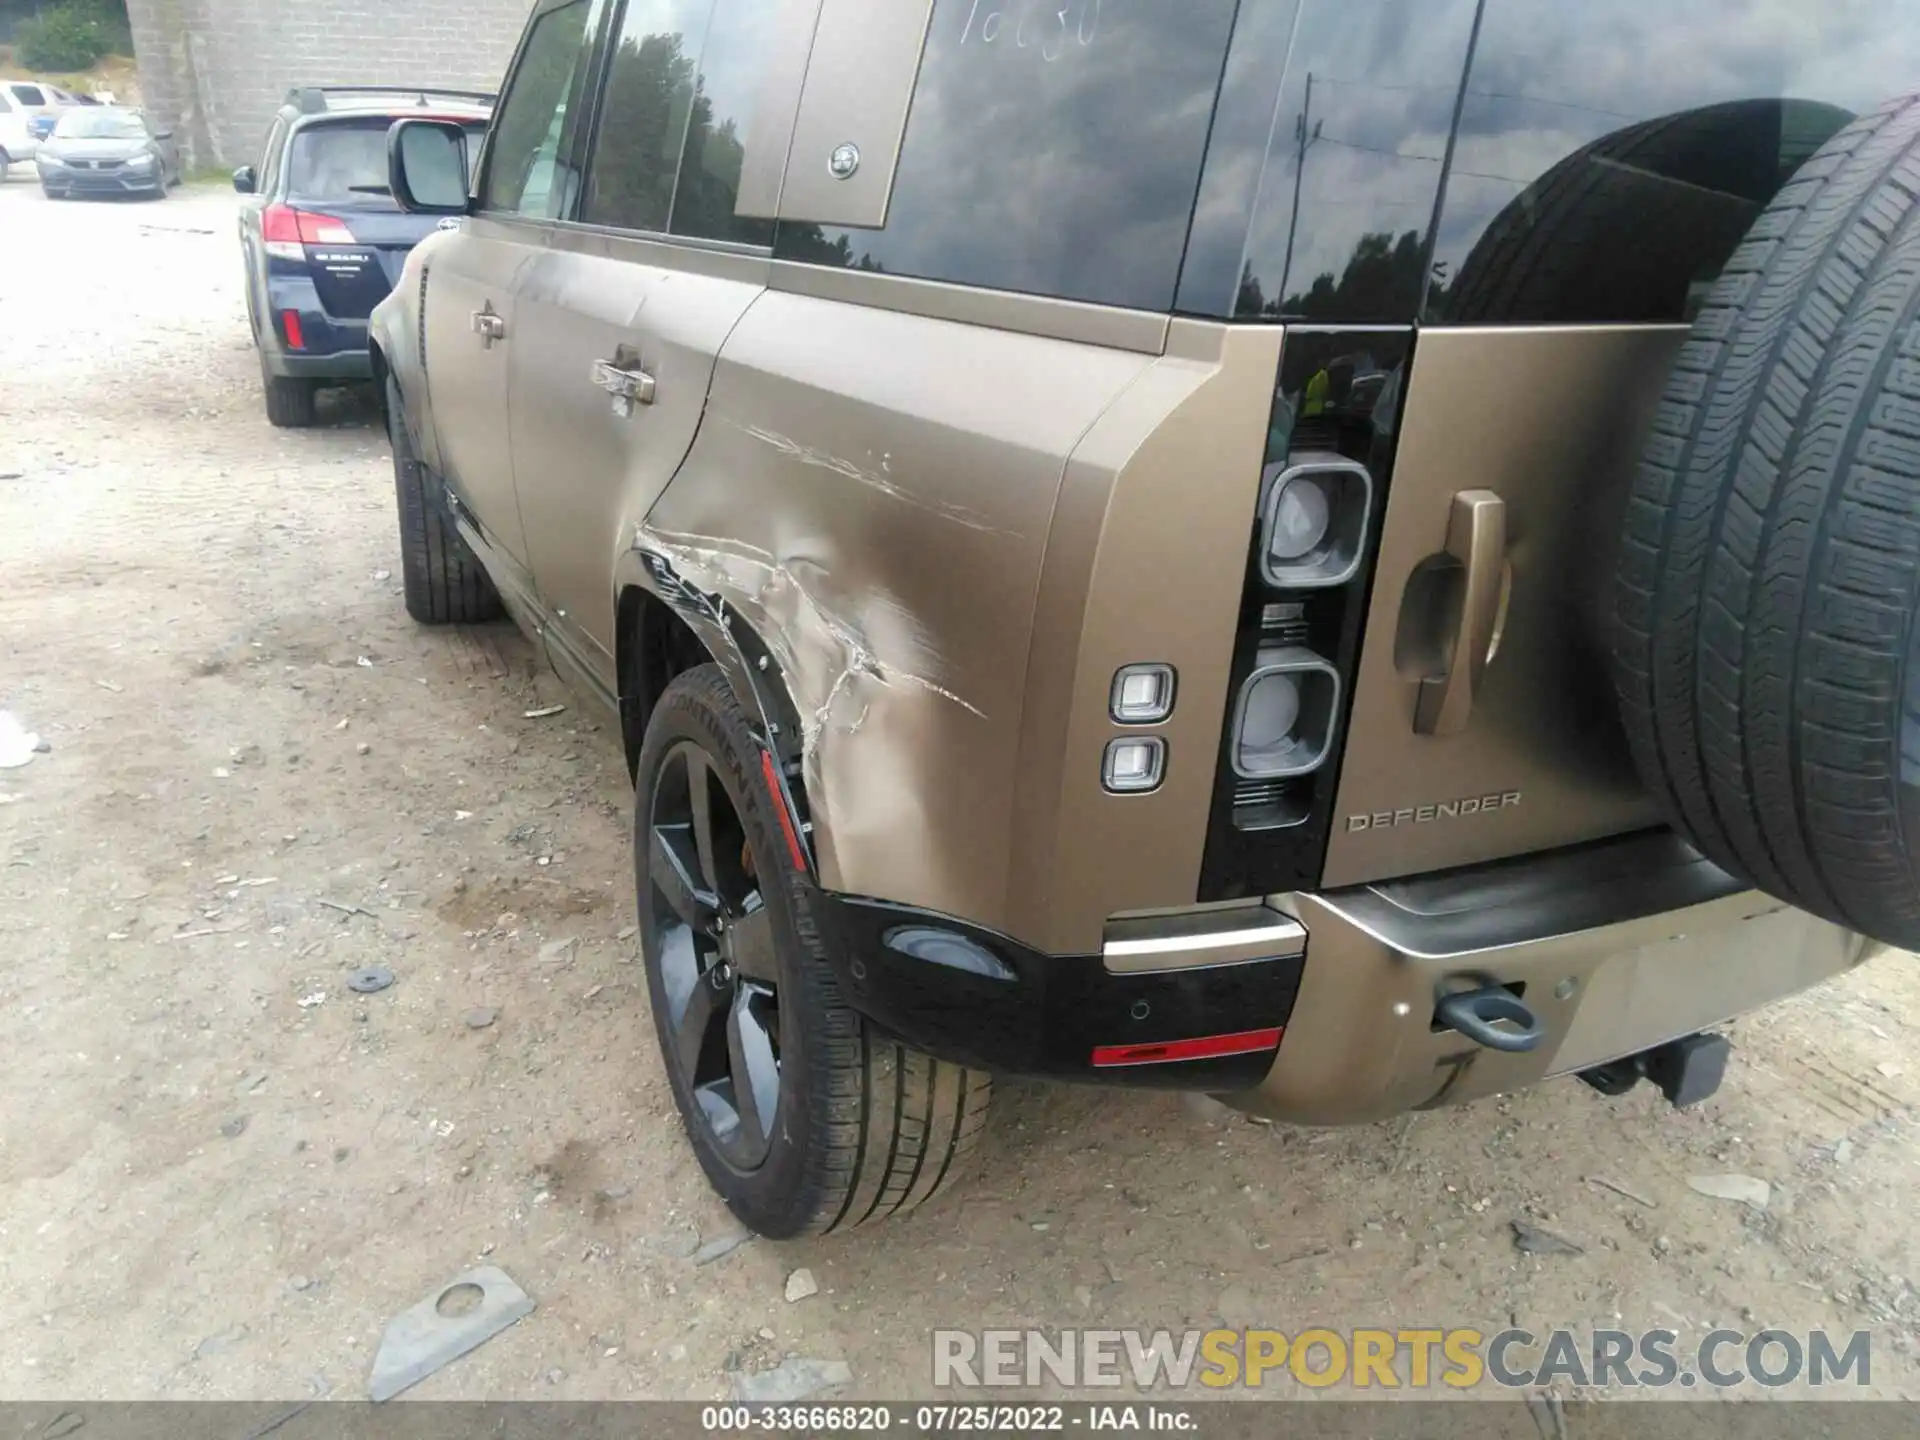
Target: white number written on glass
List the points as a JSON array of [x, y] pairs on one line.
[[1042, 25]]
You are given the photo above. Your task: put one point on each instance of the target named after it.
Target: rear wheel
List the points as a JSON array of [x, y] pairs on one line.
[[290, 402], [804, 1118], [1767, 644], [444, 580]]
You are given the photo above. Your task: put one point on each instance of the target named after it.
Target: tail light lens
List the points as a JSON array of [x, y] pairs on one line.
[[287, 231], [1314, 522], [1283, 722]]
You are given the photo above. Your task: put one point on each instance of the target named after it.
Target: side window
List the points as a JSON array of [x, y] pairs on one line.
[[529, 171], [270, 157], [1050, 148], [6, 105], [669, 145], [643, 119], [733, 62], [29, 95]]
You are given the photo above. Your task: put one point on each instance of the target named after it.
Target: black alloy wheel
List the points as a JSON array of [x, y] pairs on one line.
[[717, 960]]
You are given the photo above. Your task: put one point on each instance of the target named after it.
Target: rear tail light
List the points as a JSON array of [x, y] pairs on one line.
[[287, 231], [1314, 522], [1283, 722]]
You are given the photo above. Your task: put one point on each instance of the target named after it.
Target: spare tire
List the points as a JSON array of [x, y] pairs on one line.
[[1769, 577]]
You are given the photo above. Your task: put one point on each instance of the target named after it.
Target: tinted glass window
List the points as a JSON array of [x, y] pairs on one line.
[[1053, 146], [346, 161], [643, 117], [100, 125], [528, 164], [1325, 162], [29, 95], [731, 66], [275, 160], [1612, 154]]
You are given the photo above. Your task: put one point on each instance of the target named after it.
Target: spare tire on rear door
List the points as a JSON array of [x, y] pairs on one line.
[[1767, 655]]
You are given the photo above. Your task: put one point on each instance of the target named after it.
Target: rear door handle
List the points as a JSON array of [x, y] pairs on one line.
[[625, 379], [489, 326], [1477, 540]]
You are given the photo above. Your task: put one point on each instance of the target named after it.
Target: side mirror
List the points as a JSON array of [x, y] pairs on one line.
[[243, 178], [427, 167]]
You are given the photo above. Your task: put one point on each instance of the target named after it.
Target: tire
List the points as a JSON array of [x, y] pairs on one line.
[[1769, 576], [867, 1127], [444, 581], [290, 402]]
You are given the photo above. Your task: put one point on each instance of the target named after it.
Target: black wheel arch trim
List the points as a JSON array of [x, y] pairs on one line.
[[751, 668]]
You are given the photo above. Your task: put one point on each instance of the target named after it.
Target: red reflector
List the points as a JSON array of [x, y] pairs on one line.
[[291, 320], [1206, 1047], [780, 805]]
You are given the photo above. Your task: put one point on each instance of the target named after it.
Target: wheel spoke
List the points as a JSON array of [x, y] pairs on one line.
[[692, 1025], [700, 779], [671, 867], [756, 1073], [750, 946]]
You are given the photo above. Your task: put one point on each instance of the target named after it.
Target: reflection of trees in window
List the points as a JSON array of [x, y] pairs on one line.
[[1382, 280], [645, 176], [648, 98], [809, 243], [534, 106]]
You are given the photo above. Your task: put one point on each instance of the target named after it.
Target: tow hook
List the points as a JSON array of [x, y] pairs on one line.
[[1485, 1015], [1687, 1070]]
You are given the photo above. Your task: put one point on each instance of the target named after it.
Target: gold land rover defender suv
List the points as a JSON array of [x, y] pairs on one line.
[[1349, 555]]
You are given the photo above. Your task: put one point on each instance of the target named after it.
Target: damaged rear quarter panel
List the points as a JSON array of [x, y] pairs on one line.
[[872, 491]]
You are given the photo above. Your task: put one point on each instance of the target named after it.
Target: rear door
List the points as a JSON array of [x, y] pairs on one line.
[[1592, 201], [474, 275], [618, 325], [337, 171]]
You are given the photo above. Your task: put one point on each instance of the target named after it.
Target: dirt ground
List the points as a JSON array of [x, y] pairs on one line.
[[221, 1170]]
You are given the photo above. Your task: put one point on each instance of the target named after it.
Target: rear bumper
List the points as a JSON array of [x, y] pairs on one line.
[[1325, 1004], [332, 347], [980, 999], [340, 365], [1615, 948]]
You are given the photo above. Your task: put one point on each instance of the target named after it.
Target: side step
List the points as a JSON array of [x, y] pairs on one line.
[[1687, 1070]]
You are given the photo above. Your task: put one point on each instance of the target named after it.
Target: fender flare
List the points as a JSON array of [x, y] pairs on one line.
[[751, 669]]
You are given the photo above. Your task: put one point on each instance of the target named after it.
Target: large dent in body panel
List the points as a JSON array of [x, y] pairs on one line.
[[826, 653], [870, 494]]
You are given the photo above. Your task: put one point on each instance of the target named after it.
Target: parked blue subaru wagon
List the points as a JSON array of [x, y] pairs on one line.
[[322, 238]]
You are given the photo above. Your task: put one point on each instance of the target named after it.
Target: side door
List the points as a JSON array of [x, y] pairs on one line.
[[620, 319], [527, 175]]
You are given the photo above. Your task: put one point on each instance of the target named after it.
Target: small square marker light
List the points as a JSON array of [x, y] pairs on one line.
[[1142, 694], [1133, 767]]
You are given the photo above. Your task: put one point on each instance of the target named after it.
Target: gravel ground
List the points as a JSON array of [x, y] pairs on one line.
[[221, 1170]]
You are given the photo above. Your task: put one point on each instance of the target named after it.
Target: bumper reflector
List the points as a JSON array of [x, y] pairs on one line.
[[290, 320], [1206, 1047]]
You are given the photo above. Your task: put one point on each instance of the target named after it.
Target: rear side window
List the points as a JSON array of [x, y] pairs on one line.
[[29, 95], [1053, 147], [669, 143], [1611, 155]]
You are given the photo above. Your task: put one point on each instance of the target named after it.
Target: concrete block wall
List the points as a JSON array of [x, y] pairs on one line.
[[216, 70]]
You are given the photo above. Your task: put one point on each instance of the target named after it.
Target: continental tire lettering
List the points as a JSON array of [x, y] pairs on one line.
[[1440, 810]]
